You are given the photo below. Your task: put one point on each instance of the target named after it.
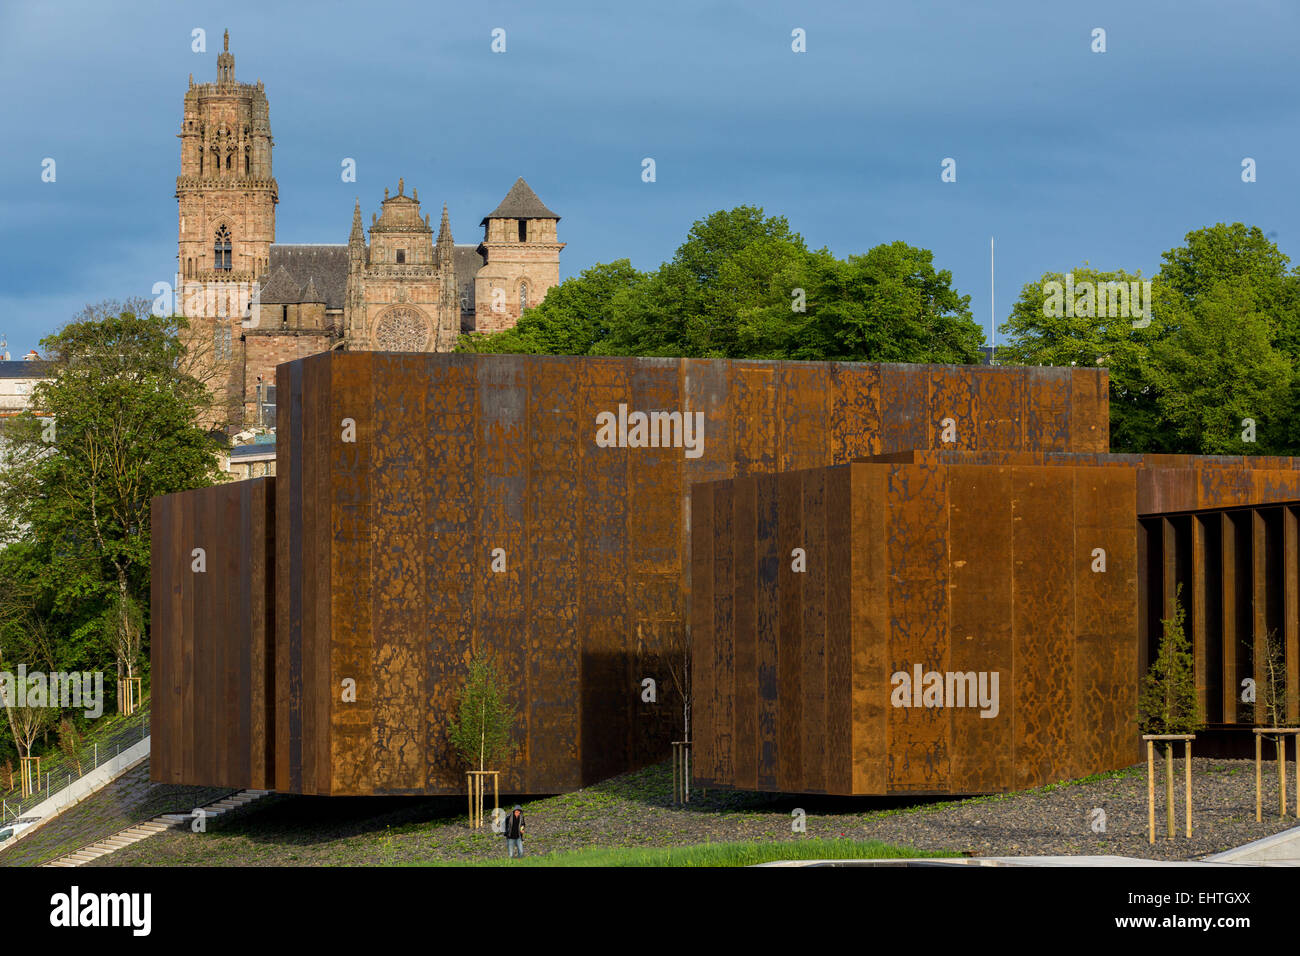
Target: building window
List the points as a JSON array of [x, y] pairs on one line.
[[523, 297], [221, 250], [248, 160], [221, 344], [401, 256], [523, 230]]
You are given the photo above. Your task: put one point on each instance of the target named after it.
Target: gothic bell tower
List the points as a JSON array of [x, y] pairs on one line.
[[226, 193], [226, 197]]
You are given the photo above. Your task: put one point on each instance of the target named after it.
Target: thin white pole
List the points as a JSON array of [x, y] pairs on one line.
[[993, 328]]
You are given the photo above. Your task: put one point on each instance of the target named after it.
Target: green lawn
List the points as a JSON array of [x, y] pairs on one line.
[[715, 854]]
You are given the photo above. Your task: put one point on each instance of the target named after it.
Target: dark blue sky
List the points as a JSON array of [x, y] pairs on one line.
[[1062, 154]]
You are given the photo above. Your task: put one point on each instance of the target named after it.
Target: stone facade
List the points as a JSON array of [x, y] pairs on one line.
[[253, 303], [17, 379]]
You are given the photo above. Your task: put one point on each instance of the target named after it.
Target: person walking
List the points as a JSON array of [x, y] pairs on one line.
[[514, 832]]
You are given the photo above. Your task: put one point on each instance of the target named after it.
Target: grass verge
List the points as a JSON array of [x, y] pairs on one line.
[[714, 854]]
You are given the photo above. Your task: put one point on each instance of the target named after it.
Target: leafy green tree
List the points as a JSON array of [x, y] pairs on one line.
[[1167, 703], [1039, 332], [117, 428], [732, 261], [744, 285], [574, 318], [481, 732], [1216, 371], [1241, 257], [888, 305], [1225, 275]]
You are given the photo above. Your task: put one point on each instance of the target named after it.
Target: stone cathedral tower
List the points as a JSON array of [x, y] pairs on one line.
[[401, 286], [401, 289], [226, 196]]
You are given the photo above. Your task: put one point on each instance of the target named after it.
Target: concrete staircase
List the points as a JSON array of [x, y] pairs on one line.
[[141, 831]]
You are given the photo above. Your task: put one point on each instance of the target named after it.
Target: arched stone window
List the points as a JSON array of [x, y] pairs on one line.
[[221, 250], [523, 297]]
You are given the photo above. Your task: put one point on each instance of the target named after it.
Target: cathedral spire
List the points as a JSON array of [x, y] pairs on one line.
[[357, 234], [225, 63], [444, 230]]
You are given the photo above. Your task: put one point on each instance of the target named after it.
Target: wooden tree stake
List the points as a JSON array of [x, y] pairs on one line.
[[1168, 740]]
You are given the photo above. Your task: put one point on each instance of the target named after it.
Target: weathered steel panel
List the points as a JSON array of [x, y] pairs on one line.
[[1047, 410], [550, 748], [322, 681], [1043, 619], [1105, 618], [813, 711], [654, 559], [854, 411], [839, 630], [1228, 603], [603, 502], [767, 628], [1195, 602], [870, 598], [789, 655], [1259, 607], [954, 407], [399, 465], [1291, 612], [704, 767], [454, 559], [164, 714], [1089, 410], [744, 754], [212, 636], [351, 726], [754, 418], [723, 682], [904, 403], [919, 748], [980, 520], [1000, 401], [803, 393]]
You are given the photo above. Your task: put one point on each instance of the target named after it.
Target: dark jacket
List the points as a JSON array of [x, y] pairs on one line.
[[514, 828]]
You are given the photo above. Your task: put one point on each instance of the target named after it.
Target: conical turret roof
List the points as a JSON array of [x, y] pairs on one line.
[[520, 203]]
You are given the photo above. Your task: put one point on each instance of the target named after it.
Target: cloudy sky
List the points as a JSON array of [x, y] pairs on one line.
[[1062, 154]]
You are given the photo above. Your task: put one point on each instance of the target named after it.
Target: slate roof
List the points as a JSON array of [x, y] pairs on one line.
[[325, 267], [256, 450], [301, 273], [520, 203], [279, 288], [467, 261], [33, 369]]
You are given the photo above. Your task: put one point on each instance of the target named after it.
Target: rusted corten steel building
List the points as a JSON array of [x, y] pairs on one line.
[[426, 505], [213, 601], [936, 570]]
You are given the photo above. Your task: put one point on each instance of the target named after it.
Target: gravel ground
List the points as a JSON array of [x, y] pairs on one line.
[[633, 810]]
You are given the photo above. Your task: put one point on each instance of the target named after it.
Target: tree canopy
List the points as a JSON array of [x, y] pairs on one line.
[[744, 285], [114, 427], [1213, 369]]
